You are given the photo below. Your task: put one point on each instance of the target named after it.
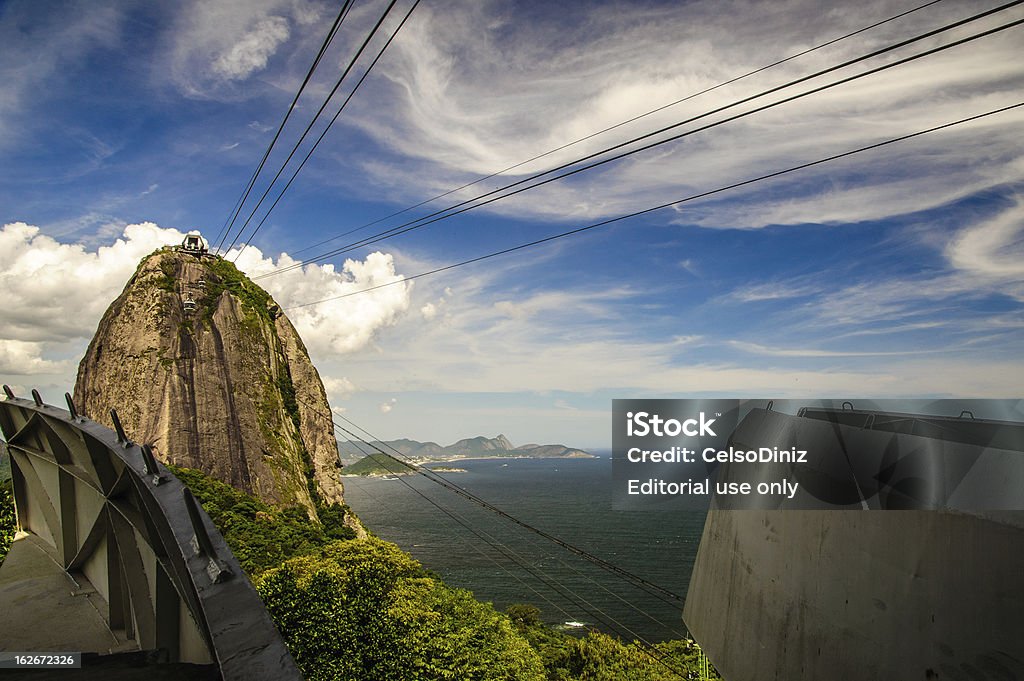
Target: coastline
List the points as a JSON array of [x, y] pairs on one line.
[[453, 459]]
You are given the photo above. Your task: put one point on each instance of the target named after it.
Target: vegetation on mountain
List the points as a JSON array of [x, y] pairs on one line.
[[377, 464], [261, 536], [600, 657], [7, 517], [192, 340], [363, 609]]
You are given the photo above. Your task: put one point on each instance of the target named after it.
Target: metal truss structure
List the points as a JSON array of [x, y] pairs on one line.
[[118, 521]]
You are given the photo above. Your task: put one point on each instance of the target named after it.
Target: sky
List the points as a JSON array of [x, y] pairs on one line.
[[896, 272]]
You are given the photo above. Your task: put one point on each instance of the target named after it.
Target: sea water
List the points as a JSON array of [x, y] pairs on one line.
[[503, 563]]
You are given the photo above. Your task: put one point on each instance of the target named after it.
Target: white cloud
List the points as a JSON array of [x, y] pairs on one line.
[[993, 249], [341, 324], [771, 291], [759, 349], [254, 49], [477, 90], [55, 294], [386, 407], [216, 43], [339, 387], [23, 358]]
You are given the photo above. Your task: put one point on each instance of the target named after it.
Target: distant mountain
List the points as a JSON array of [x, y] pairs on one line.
[[480, 446], [474, 447], [349, 451], [377, 464]]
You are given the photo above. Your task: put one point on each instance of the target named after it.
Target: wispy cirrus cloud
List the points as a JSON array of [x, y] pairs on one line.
[[480, 89], [993, 249], [216, 45], [47, 51]]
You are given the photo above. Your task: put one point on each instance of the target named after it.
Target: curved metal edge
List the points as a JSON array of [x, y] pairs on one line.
[[239, 631]]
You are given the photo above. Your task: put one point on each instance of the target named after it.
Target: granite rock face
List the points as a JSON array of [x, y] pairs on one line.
[[201, 363]]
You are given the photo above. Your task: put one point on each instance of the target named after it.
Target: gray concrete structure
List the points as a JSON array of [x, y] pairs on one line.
[[114, 555], [860, 595]]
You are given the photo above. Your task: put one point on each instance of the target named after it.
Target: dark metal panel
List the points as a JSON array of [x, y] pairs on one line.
[[194, 569], [168, 614], [134, 571], [68, 521], [34, 489]]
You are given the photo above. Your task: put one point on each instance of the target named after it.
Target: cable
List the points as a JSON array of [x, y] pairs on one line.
[[228, 224], [625, 122], [444, 213], [651, 588], [410, 469], [693, 197], [646, 646], [337, 85], [646, 585], [485, 537], [324, 133]]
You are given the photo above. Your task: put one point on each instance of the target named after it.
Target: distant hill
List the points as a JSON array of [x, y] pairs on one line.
[[376, 464], [474, 447]]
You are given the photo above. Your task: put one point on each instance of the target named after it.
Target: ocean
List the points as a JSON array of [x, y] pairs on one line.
[[504, 564]]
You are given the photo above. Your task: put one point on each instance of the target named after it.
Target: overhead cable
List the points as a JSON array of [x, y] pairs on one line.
[[229, 223], [694, 197], [622, 123], [326, 129], [644, 645], [450, 211], [313, 121], [562, 589], [645, 584]]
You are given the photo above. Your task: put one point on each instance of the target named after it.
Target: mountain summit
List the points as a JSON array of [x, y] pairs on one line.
[[202, 364]]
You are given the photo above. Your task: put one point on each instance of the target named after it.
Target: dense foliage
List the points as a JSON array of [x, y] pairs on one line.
[[362, 609], [226, 277], [7, 518], [365, 610], [259, 535], [599, 657]]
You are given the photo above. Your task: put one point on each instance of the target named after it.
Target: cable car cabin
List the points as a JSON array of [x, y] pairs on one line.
[[189, 305], [194, 243]]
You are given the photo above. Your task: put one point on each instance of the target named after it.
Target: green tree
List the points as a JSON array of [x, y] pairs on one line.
[[364, 610], [8, 521], [260, 535]]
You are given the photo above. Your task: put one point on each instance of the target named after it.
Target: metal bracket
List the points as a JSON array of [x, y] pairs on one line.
[[217, 569], [71, 407], [119, 429], [149, 466]]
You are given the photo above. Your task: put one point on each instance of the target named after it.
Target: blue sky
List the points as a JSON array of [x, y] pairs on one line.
[[897, 272]]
